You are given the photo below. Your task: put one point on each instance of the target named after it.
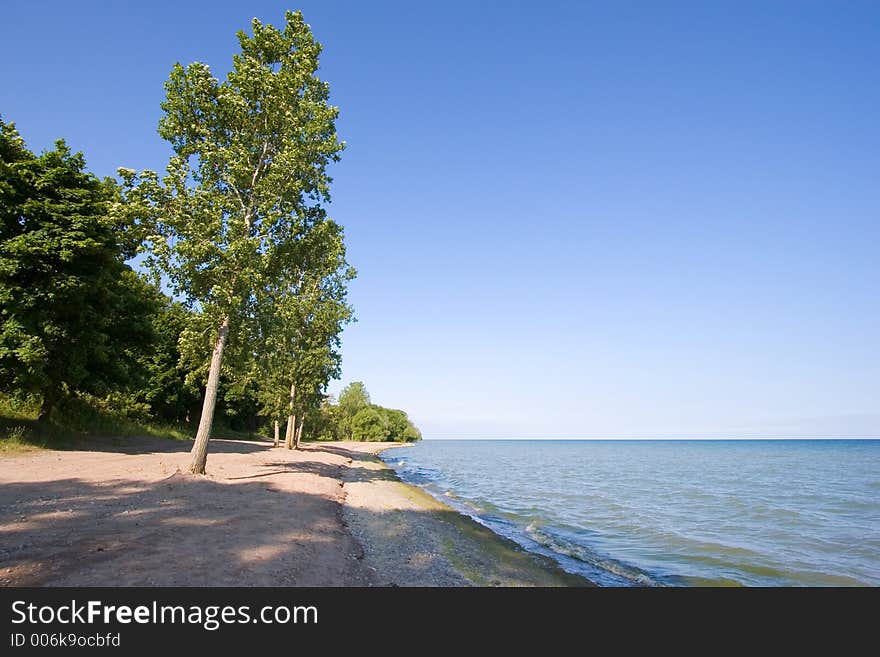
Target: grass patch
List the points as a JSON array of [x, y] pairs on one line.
[[16, 439], [221, 430], [73, 422], [70, 424]]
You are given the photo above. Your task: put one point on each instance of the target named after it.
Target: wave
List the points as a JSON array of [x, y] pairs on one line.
[[528, 533], [597, 563], [657, 514]]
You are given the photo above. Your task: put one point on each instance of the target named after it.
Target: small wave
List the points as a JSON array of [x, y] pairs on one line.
[[570, 556], [694, 513], [587, 556]]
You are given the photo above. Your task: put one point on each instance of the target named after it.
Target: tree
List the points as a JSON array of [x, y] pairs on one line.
[[400, 428], [169, 396], [411, 434], [317, 358], [357, 419], [370, 424], [353, 398], [73, 317], [300, 318], [377, 423], [241, 406], [246, 183], [354, 418], [323, 422]]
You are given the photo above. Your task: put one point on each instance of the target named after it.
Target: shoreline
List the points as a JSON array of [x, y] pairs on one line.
[[418, 540], [120, 512]]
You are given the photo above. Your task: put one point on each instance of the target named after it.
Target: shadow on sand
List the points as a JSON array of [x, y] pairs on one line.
[[237, 531]]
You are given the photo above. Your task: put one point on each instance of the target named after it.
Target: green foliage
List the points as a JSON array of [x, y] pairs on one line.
[[14, 439], [19, 407], [353, 398], [400, 428], [298, 325], [240, 405], [237, 224], [171, 398], [235, 227], [73, 316], [369, 424], [247, 179], [355, 418], [74, 419], [322, 423]]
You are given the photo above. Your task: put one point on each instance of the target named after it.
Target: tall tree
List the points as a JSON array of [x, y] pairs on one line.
[[353, 398], [73, 317], [169, 396], [247, 181], [300, 322]]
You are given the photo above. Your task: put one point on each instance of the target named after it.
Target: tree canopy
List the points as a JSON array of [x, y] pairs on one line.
[[246, 292], [358, 419], [73, 315], [245, 186]]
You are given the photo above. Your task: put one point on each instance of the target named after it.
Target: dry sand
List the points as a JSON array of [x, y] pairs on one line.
[[120, 512]]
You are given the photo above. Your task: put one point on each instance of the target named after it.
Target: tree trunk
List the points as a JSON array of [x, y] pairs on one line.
[[299, 430], [276, 434], [200, 447], [291, 430], [291, 419], [46, 407]]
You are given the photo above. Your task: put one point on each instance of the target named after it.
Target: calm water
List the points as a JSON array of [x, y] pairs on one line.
[[760, 513]]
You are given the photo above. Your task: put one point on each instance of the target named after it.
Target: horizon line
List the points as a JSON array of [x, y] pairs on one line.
[[655, 438]]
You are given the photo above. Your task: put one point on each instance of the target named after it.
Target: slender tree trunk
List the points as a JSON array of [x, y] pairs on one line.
[[46, 407], [200, 447], [291, 431], [299, 430], [276, 434], [291, 419]]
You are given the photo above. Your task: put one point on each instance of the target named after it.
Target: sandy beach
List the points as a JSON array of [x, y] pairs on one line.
[[120, 512]]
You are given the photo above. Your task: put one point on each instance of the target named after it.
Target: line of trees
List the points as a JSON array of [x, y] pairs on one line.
[[236, 228], [354, 417]]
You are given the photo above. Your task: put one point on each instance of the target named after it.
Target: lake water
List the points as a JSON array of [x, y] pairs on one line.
[[758, 513]]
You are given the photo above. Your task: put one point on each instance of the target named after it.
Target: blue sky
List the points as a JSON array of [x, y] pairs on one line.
[[570, 219]]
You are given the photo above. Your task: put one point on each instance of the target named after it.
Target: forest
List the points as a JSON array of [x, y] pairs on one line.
[[206, 299]]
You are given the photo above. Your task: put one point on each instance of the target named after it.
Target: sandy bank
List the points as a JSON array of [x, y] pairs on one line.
[[121, 514]]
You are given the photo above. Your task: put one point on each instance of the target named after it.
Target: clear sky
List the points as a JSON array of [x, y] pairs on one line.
[[570, 219]]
